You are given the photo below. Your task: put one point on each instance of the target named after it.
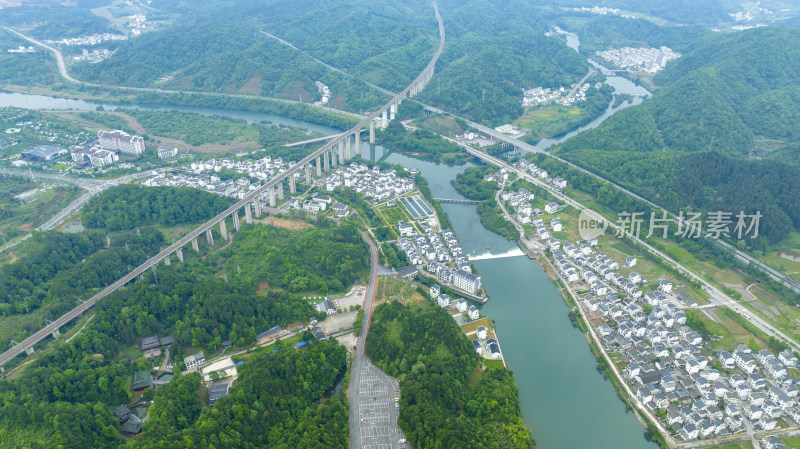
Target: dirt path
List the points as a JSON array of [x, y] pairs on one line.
[[286, 223]]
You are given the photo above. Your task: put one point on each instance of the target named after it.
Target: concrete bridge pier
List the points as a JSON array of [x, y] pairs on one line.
[[341, 152], [166, 260], [223, 230], [280, 190], [179, 253], [236, 224], [347, 151], [272, 202], [308, 174], [319, 166], [292, 184], [248, 216], [326, 160], [257, 205], [55, 333], [335, 157], [372, 132], [209, 237], [358, 143], [384, 119], [29, 350], [392, 111], [195, 246]]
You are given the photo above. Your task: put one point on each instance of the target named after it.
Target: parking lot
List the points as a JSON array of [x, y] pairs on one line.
[[378, 407], [355, 297], [338, 322]]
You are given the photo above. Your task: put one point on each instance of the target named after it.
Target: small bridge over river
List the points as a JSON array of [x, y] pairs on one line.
[[456, 201]]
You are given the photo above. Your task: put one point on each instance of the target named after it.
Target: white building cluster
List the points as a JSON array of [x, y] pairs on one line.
[[93, 155], [666, 362], [121, 142], [644, 59], [599, 10], [557, 182], [200, 175], [541, 96], [94, 39], [93, 56], [373, 183], [137, 21], [324, 93], [22, 49], [441, 254]]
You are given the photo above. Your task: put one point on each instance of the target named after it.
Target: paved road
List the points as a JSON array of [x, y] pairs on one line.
[[245, 202], [714, 292], [94, 187], [80, 202], [80, 182], [374, 396], [62, 69], [358, 357]]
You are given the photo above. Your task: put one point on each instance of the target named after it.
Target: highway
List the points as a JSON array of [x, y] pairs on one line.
[[328, 66], [80, 202], [279, 178], [80, 182], [314, 140], [93, 186], [716, 295], [62, 69], [744, 257]]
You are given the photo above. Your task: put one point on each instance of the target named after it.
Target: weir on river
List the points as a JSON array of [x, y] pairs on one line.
[[565, 401]]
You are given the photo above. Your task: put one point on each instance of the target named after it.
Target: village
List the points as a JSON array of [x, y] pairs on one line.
[[205, 175], [435, 255], [696, 392], [542, 96], [643, 59]]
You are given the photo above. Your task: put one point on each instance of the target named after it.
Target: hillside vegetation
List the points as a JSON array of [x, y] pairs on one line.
[[445, 399], [690, 145]]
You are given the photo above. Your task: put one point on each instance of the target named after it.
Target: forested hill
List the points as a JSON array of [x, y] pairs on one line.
[[732, 89], [494, 51], [676, 11], [447, 399], [736, 96], [219, 46]]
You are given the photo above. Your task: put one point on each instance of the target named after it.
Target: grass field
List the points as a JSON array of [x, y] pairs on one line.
[[473, 326], [791, 443], [549, 121], [733, 446], [390, 289], [27, 216], [393, 214], [727, 333], [494, 364]]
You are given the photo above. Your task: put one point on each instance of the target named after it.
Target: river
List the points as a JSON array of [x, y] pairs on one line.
[[565, 401], [621, 86], [42, 102]]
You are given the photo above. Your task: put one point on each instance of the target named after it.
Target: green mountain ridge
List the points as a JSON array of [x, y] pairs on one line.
[[684, 147]]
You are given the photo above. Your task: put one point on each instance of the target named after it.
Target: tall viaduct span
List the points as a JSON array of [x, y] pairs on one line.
[[336, 151]]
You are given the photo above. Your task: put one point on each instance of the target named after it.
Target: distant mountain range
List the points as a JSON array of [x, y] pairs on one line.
[[722, 131]]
